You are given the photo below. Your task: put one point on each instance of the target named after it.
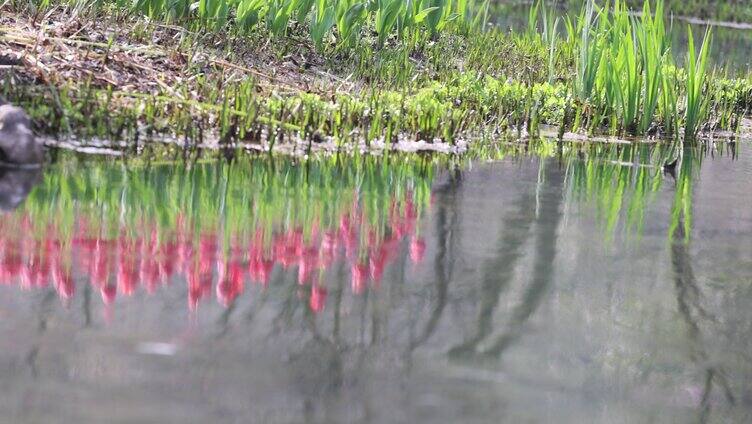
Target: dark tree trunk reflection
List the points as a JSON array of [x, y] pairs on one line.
[[447, 228], [688, 293], [499, 270]]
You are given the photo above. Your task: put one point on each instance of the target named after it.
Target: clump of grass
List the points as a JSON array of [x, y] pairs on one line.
[[548, 35], [386, 17], [625, 77]]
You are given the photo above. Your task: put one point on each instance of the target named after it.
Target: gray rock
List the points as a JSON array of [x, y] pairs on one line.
[[18, 145], [15, 186]]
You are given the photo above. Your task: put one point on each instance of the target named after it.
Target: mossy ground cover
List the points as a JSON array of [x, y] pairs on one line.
[[109, 73]]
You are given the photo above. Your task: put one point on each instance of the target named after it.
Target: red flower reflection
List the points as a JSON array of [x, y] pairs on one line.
[[149, 256], [318, 298], [417, 249]]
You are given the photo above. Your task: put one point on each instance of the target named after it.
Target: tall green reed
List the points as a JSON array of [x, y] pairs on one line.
[[653, 43], [697, 103], [590, 49]]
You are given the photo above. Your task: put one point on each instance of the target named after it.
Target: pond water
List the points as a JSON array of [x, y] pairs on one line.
[[732, 47], [585, 285]]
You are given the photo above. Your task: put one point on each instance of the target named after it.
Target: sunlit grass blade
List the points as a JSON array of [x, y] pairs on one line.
[[697, 102]]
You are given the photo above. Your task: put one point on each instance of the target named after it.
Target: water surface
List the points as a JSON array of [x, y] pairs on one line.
[[585, 286]]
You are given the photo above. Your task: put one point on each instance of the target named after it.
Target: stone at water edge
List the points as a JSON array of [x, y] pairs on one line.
[[18, 145], [15, 185]]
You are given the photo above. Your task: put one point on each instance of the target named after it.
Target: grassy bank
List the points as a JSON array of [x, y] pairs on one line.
[[116, 73]]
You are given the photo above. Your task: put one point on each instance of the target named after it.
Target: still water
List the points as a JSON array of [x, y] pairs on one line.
[[584, 285]]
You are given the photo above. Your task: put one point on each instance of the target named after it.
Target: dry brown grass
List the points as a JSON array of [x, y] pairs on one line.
[[134, 55]]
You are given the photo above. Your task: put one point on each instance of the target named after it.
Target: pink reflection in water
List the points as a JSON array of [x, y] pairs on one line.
[[318, 298], [148, 258]]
